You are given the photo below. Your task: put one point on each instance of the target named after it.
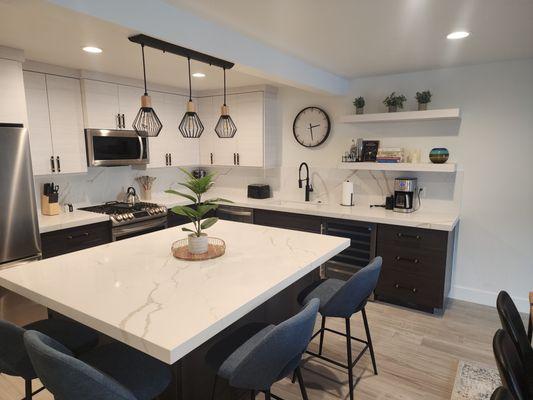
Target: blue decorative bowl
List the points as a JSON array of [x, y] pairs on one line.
[[439, 155]]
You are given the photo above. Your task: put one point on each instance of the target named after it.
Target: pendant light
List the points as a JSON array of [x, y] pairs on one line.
[[225, 127], [146, 123], [190, 125]]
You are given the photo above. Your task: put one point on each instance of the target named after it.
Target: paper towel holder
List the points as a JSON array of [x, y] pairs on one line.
[[351, 196]]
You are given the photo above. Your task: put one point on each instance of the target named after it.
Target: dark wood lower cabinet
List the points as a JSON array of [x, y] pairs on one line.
[[73, 239], [416, 268], [297, 222]]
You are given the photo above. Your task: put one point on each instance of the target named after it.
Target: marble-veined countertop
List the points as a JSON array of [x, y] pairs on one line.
[[136, 292]]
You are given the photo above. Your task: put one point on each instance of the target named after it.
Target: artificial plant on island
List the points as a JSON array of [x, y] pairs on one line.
[[198, 242]]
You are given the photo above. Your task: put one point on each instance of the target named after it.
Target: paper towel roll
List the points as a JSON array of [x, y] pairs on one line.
[[347, 194]]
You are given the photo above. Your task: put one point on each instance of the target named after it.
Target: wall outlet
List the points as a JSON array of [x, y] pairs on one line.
[[422, 192]]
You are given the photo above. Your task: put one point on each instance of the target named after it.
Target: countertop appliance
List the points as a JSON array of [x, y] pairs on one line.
[[405, 193], [19, 227], [115, 147], [258, 191], [128, 220], [131, 196]]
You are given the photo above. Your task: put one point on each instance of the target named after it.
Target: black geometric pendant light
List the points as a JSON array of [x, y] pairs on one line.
[[225, 127], [190, 125], [146, 123]]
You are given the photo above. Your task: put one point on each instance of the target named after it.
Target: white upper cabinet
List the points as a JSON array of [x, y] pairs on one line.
[[110, 105], [42, 154], [55, 123], [66, 121], [257, 141], [170, 148]]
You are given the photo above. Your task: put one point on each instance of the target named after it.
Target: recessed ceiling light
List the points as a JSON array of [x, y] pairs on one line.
[[199, 75], [458, 35], [91, 49]]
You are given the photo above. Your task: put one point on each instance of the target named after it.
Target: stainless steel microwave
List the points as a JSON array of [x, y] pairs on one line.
[[114, 147]]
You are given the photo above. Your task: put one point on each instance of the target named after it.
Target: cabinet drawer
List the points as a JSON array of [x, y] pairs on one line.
[[427, 263], [413, 238], [298, 222], [74, 239], [409, 289]]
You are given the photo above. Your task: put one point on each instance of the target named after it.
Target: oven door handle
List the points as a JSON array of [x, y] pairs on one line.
[[141, 147], [120, 231]]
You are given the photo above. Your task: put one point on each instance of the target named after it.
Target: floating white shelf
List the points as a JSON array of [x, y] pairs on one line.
[[403, 116], [407, 167]]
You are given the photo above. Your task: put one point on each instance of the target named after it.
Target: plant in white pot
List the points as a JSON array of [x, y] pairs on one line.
[[198, 240]]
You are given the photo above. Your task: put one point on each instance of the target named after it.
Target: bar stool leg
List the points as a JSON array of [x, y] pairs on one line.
[[349, 353], [27, 390], [267, 394], [322, 335], [252, 394], [301, 383], [369, 339]]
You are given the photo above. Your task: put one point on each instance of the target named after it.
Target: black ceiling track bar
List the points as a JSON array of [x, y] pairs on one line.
[[180, 51]]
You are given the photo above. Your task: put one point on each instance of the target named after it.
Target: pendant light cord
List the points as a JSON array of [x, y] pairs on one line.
[[190, 87], [224, 86], [144, 71]]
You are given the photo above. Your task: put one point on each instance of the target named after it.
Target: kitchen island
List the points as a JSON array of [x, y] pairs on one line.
[[136, 292]]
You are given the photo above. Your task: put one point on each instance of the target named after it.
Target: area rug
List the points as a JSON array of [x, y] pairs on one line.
[[474, 381]]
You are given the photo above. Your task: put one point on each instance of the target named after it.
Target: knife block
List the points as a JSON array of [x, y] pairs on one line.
[[48, 208]]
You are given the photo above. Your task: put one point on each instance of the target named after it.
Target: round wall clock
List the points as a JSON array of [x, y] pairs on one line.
[[311, 127]]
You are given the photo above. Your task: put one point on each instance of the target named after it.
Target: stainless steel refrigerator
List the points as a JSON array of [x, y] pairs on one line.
[[19, 227]]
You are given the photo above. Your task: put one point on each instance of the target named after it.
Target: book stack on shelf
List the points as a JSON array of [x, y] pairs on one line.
[[392, 155]]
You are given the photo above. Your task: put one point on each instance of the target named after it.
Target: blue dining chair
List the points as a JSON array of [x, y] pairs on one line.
[[14, 359], [110, 372], [501, 393], [257, 355], [342, 299]]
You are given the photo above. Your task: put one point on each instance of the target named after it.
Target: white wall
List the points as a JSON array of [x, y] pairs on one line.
[[492, 144]]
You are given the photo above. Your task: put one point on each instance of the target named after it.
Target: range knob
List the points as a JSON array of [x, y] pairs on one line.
[[163, 209], [130, 215], [118, 217]]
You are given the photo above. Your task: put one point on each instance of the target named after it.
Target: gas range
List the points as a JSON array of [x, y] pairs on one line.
[[129, 220]]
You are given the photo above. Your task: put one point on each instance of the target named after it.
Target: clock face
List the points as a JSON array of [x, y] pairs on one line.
[[311, 127]]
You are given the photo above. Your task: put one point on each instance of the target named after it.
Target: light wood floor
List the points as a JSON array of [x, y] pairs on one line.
[[417, 355]]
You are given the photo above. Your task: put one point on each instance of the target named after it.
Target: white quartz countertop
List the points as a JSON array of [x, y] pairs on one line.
[[423, 218], [49, 223], [136, 292]]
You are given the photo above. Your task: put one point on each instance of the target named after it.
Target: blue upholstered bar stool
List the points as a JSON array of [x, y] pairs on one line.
[[256, 356], [501, 393], [110, 372], [342, 299], [14, 359]]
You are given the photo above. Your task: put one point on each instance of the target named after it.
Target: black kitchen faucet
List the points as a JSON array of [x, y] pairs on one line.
[[308, 187]]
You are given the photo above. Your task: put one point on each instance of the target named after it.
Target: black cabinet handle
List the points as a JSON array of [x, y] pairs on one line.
[[398, 286], [238, 159], [234, 159], [408, 236], [58, 164], [166, 158], [123, 121], [412, 260], [169, 158], [84, 234], [52, 165], [211, 156]]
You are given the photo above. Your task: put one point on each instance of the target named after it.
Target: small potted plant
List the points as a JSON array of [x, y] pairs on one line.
[[394, 101], [423, 99], [359, 103], [197, 241]]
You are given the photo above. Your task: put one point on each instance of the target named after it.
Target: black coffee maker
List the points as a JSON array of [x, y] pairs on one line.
[[405, 195]]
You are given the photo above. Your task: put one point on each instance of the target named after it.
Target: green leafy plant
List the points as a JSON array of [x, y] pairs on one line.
[[423, 97], [359, 102], [198, 186], [393, 100]]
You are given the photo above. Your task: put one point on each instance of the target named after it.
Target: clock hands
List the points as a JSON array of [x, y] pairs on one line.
[[311, 126]]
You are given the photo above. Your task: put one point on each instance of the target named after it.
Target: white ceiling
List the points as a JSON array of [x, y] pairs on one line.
[[371, 37], [55, 35]]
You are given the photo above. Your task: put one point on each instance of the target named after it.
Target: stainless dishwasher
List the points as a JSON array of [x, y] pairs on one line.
[[238, 214]]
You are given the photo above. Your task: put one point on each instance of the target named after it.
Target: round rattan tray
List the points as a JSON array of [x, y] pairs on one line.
[[216, 248]]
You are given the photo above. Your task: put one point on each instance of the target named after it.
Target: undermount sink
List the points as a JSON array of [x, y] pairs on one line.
[[295, 202]]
